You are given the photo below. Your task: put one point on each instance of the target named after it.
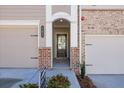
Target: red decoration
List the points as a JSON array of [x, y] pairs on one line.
[[82, 18]]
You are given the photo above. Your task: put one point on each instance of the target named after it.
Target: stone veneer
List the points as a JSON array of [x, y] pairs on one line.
[[101, 22], [74, 59], [45, 58]]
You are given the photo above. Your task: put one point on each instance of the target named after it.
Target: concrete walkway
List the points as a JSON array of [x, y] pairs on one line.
[[69, 73], [12, 78], [15, 77], [108, 81], [61, 63]]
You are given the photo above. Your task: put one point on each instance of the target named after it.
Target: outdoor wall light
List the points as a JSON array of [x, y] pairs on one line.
[[42, 31], [83, 18]]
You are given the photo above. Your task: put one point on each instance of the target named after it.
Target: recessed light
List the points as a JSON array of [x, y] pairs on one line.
[[61, 20]]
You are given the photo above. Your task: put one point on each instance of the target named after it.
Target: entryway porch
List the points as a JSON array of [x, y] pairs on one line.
[[61, 44], [61, 63]]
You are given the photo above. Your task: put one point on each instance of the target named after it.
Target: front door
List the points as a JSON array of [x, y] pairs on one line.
[[61, 45]]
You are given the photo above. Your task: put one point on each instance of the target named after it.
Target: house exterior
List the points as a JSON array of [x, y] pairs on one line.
[[59, 36]]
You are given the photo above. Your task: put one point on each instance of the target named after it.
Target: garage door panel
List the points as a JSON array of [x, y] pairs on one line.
[[17, 47], [105, 54]]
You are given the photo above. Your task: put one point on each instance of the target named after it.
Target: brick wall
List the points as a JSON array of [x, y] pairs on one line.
[[101, 22], [45, 57], [74, 59]]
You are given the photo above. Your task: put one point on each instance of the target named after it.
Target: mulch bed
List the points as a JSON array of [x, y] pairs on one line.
[[85, 82]]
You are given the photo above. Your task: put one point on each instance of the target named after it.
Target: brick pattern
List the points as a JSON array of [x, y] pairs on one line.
[[74, 59], [103, 22], [45, 57]]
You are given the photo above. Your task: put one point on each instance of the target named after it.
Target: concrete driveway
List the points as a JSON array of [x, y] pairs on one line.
[[108, 81], [8, 82], [12, 78]]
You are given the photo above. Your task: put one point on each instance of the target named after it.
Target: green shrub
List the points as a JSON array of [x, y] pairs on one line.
[[29, 85], [58, 81], [82, 70]]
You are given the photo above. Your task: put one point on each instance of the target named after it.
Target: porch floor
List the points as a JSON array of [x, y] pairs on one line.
[[61, 63]]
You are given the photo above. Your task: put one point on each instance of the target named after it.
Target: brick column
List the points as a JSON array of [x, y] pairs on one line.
[[45, 57], [74, 59]]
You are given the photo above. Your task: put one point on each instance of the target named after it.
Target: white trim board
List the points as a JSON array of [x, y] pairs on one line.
[[19, 22], [80, 35], [104, 35], [61, 15], [102, 7]]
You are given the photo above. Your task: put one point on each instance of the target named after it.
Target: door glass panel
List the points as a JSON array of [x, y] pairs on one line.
[[61, 42], [61, 45]]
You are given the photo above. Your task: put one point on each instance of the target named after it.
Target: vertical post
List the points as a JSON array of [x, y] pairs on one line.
[[39, 79], [74, 28], [80, 34], [48, 26]]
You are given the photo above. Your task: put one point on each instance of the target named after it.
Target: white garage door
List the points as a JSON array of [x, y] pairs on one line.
[[17, 46], [104, 54]]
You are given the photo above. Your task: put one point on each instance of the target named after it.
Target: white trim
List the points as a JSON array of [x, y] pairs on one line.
[[61, 15], [80, 35], [73, 19], [49, 30], [102, 7], [104, 35], [74, 27], [74, 35], [19, 22], [48, 27], [49, 34], [73, 22], [74, 13], [48, 13]]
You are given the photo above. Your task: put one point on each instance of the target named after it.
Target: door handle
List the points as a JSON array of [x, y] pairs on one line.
[[34, 35], [88, 64], [88, 44], [34, 57]]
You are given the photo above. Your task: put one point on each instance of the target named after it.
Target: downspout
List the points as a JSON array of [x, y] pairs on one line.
[[79, 30]]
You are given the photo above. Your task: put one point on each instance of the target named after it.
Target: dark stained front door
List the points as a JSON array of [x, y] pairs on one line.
[[61, 45]]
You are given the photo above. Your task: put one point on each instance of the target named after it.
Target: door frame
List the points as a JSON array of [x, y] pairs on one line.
[[55, 42], [72, 18]]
